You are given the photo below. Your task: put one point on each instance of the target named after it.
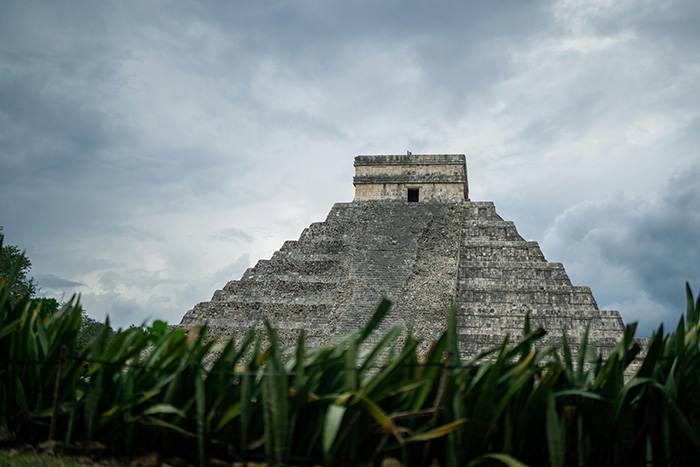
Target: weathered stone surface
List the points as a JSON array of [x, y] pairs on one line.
[[422, 256], [440, 177]]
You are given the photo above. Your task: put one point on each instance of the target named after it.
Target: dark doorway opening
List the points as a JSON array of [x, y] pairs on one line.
[[413, 195]]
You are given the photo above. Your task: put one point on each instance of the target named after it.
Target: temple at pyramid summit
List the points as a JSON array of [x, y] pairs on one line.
[[412, 235]]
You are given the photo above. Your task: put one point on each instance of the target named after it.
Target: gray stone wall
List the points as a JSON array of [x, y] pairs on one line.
[[438, 177]]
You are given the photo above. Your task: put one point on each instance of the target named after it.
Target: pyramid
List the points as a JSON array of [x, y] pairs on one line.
[[412, 235]]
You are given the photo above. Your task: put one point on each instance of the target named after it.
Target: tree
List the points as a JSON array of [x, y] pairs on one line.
[[14, 264], [49, 305], [90, 329], [14, 268]]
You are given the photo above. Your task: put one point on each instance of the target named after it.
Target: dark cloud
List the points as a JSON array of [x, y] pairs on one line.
[[131, 131], [52, 281], [659, 243], [649, 246]]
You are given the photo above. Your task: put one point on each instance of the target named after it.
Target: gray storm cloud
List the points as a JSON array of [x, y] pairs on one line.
[[149, 152], [636, 254]]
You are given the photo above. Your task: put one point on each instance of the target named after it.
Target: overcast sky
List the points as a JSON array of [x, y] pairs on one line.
[[152, 151]]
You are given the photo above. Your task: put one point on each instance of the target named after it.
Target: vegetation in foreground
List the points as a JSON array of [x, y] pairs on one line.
[[145, 389]]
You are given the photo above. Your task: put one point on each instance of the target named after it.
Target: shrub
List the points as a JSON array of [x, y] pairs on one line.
[[144, 389]]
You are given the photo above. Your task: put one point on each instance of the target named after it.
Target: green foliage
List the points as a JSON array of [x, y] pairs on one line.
[[357, 401], [90, 329], [49, 306], [14, 267]]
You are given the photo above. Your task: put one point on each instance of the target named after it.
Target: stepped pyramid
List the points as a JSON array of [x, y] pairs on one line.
[[411, 234]]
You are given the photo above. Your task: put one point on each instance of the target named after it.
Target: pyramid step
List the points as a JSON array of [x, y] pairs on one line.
[[274, 284], [534, 309], [318, 237], [491, 250], [542, 271], [491, 229], [513, 267], [483, 210], [258, 322], [240, 315], [507, 323], [331, 228], [288, 276], [554, 296], [234, 311], [344, 214], [322, 246], [543, 287], [313, 230], [294, 256], [535, 281], [277, 291], [498, 243], [322, 237], [289, 299], [473, 343], [315, 266]]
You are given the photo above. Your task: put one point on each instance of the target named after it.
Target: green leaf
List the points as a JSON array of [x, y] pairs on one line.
[[555, 435], [378, 414], [374, 321], [158, 328], [580, 393], [654, 351], [684, 426], [201, 413], [350, 369], [277, 399], [164, 409], [42, 337], [230, 414], [376, 382], [437, 432], [503, 458], [10, 327], [692, 312], [331, 425], [583, 353], [452, 340], [388, 338], [429, 375], [299, 368], [568, 362], [152, 421]]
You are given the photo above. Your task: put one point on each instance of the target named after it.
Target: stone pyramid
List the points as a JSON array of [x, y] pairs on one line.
[[411, 234]]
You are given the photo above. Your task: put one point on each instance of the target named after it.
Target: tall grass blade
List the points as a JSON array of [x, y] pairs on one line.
[[555, 435], [373, 323], [201, 414], [502, 458], [438, 432], [331, 426]]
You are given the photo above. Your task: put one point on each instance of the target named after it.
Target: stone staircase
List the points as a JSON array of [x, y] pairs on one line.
[[503, 278]]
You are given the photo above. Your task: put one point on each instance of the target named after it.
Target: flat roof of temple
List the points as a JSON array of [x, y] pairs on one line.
[[411, 159]]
